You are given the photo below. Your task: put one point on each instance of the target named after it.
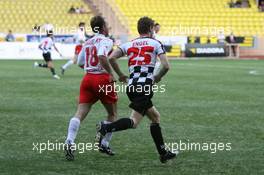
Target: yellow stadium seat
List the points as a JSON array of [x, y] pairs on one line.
[[198, 13], [21, 16]]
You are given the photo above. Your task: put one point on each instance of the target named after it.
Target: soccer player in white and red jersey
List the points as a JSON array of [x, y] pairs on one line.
[[80, 39], [93, 58], [142, 54], [46, 47]]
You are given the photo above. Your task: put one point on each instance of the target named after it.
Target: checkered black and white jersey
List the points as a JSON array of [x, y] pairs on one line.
[[142, 54]]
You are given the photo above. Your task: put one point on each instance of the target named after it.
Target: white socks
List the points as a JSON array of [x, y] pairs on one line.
[[108, 137], [65, 66], [73, 129]]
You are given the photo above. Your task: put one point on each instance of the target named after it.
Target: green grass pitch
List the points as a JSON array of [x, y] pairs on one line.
[[205, 101]]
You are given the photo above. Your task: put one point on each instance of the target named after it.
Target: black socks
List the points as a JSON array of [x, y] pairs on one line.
[[46, 66], [43, 65], [156, 134], [52, 71], [126, 123], [119, 125]]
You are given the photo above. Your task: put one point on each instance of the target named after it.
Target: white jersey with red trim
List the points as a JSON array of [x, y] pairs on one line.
[[99, 45], [46, 44], [80, 36], [142, 53]]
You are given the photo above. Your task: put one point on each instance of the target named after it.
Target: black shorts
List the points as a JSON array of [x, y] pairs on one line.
[[140, 97], [47, 56]]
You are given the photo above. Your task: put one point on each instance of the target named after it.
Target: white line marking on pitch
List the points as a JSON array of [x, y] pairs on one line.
[[215, 66], [253, 72]]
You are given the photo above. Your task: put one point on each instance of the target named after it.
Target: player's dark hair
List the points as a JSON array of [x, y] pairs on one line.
[[97, 23], [144, 25], [156, 24], [81, 24], [49, 33]]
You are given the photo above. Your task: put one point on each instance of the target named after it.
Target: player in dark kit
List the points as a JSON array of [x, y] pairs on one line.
[[142, 53]]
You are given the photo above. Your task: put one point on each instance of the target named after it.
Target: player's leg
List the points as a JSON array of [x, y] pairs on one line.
[[138, 106], [81, 113], [111, 109], [68, 64], [74, 124], [78, 49], [234, 50], [43, 65], [52, 69], [86, 99], [120, 124], [156, 134]]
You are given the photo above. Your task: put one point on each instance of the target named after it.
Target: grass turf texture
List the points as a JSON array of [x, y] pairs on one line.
[[205, 101]]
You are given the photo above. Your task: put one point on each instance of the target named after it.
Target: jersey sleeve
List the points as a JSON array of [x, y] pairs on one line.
[[104, 48], [81, 57], [160, 48]]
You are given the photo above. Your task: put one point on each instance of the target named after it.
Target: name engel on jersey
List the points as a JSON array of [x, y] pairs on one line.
[[97, 46], [142, 53], [46, 45]]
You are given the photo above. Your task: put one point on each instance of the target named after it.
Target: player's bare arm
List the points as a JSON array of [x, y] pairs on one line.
[[57, 50], [116, 54], [164, 68], [81, 59], [103, 61]]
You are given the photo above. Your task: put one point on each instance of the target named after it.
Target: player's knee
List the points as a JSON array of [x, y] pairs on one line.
[[155, 119], [135, 124], [50, 65]]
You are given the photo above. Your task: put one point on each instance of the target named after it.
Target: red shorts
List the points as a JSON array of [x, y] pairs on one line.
[[78, 49], [96, 87]]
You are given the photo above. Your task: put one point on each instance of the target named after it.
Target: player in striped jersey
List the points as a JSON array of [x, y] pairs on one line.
[[142, 54]]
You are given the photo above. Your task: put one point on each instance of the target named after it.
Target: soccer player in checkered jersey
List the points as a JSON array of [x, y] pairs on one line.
[[80, 39], [46, 47], [142, 54], [93, 58]]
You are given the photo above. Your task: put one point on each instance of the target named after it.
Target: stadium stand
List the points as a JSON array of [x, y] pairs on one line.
[[21, 16], [194, 13]]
